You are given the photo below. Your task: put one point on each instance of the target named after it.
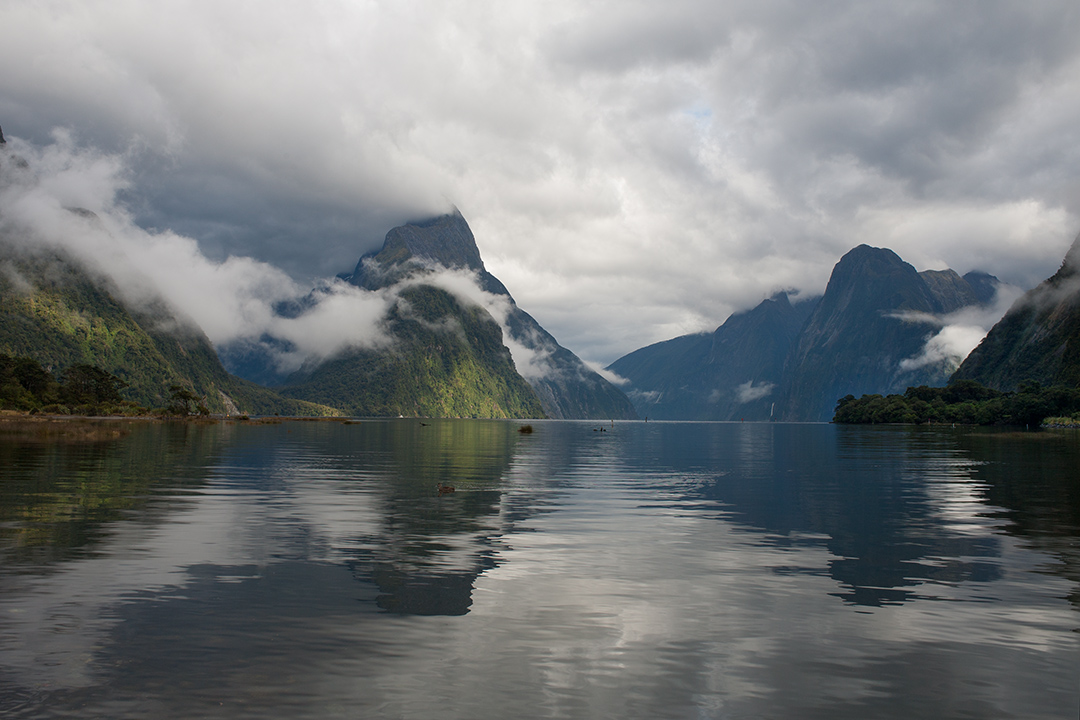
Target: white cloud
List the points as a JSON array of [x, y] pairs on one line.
[[960, 331], [343, 316], [748, 392], [612, 377]]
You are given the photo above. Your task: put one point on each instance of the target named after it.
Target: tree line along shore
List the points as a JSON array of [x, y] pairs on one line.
[[966, 402], [81, 389]]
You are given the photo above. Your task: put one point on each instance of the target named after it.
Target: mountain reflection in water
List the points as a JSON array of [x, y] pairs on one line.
[[312, 569]]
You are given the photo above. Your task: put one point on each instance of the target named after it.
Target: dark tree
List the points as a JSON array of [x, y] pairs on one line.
[[184, 402], [35, 379], [89, 385]]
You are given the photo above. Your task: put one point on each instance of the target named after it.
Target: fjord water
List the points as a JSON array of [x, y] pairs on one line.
[[585, 570]]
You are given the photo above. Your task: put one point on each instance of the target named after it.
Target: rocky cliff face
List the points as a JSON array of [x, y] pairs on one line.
[[1038, 339]]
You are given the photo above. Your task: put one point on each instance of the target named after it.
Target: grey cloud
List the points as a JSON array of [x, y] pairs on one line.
[[631, 170], [621, 36], [908, 91]]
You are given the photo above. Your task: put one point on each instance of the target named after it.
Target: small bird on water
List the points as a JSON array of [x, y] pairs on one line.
[[443, 489]]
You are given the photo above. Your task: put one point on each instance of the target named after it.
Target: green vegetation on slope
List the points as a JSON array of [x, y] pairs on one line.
[[566, 388], [53, 311], [447, 361], [964, 401], [56, 314]]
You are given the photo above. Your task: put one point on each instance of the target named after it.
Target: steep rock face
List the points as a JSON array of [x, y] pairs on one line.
[[55, 311], [1038, 339], [565, 386], [867, 323], [729, 374]]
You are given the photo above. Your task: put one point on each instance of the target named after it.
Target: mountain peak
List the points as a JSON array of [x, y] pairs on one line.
[[983, 284], [867, 255], [445, 240]]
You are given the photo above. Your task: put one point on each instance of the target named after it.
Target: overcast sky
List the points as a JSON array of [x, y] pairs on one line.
[[632, 171]]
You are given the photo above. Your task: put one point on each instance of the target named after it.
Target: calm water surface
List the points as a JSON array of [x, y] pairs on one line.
[[652, 570]]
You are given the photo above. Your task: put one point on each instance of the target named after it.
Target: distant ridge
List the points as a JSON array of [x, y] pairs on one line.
[[729, 374], [785, 361]]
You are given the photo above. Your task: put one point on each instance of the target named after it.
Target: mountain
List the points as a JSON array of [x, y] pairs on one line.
[[1038, 339], [729, 374], [448, 360], [450, 356], [872, 317], [56, 311], [793, 361]]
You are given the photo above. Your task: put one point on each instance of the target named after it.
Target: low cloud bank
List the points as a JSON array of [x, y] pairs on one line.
[[612, 377], [64, 198], [960, 332], [748, 392], [637, 171]]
